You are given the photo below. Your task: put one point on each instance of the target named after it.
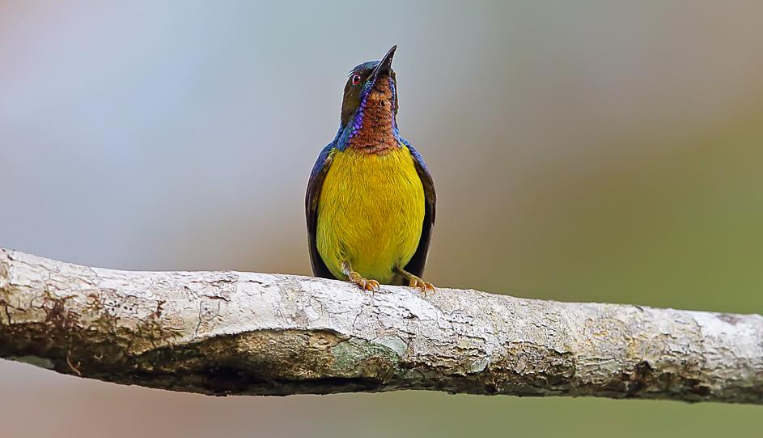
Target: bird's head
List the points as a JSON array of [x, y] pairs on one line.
[[370, 98]]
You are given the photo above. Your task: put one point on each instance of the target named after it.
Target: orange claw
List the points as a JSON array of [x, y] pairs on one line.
[[418, 283], [369, 285]]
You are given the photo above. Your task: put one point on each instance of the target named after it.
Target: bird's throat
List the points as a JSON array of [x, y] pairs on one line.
[[375, 133]]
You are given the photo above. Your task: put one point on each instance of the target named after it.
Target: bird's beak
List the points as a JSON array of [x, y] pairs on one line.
[[385, 65]]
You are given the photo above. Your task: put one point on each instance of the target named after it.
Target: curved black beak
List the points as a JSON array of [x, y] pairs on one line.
[[385, 65]]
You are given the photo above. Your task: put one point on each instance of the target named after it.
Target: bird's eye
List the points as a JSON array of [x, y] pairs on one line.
[[355, 79]]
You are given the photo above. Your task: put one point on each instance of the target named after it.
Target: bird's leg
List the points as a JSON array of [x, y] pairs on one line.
[[358, 279], [414, 281]]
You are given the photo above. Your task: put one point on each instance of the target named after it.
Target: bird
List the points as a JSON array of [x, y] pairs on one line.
[[370, 201]]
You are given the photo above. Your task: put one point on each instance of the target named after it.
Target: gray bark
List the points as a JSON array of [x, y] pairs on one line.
[[244, 333]]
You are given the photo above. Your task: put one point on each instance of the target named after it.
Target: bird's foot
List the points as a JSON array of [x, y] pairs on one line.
[[415, 281], [364, 283], [418, 283]]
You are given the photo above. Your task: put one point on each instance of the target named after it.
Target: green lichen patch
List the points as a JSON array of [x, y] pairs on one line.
[[271, 362]]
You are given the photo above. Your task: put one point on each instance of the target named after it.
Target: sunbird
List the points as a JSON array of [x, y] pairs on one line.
[[370, 202]]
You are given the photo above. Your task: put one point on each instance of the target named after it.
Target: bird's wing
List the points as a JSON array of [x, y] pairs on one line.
[[419, 259], [311, 209]]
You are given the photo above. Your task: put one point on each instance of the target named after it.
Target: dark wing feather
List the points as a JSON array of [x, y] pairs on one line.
[[416, 265], [314, 187]]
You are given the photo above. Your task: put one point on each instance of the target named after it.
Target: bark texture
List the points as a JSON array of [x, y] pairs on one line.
[[243, 333]]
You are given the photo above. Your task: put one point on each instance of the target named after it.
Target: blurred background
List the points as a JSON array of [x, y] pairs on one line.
[[582, 151]]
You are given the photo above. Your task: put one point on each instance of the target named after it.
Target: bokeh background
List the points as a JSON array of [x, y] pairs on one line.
[[582, 151]]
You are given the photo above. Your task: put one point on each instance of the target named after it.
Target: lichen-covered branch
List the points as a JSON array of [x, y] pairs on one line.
[[242, 333]]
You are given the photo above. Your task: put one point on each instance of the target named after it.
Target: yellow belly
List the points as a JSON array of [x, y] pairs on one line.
[[370, 213]]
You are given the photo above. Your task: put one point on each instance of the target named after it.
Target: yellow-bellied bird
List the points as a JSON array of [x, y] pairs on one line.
[[370, 202]]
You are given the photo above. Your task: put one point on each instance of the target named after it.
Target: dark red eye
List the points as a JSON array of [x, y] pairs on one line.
[[355, 79]]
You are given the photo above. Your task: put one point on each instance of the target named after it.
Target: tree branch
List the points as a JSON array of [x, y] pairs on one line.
[[241, 333]]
